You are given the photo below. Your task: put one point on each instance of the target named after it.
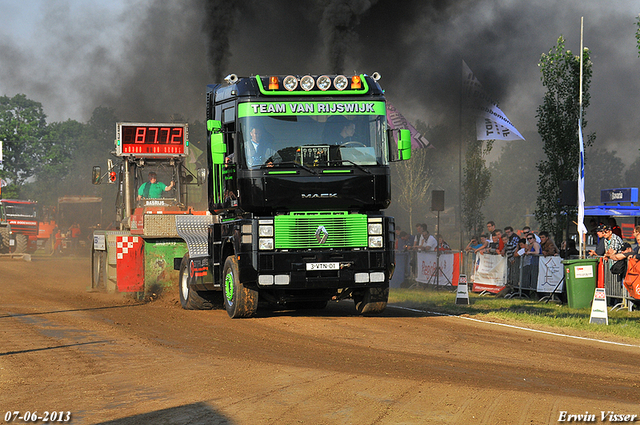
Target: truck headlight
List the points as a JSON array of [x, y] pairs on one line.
[[265, 231], [375, 228], [375, 242], [265, 244]]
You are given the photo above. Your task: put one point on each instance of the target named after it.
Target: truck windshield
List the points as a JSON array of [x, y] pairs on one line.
[[20, 210], [313, 140]]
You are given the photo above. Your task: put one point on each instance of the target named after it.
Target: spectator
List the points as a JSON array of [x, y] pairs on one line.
[[491, 226], [403, 242], [600, 249], [417, 237], [513, 237], [429, 242], [593, 226], [511, 243], [473, 244], [521, 248], [509, 248], [635, 252], [530, 268], [525, 232], [612, 243], [571, 251], [75, 235], [494, 245], [614, 227], [442, 244], [500, 241], [484, 244], [548, 248]]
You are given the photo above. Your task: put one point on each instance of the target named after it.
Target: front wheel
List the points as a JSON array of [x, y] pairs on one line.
[[22, 243], [190, 299], [371, 300], [239, 301]]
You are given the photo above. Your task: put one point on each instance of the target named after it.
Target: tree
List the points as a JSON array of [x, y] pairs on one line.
[[413, 183], [558, 128], [476, 185], [22, 127], [513, 187]]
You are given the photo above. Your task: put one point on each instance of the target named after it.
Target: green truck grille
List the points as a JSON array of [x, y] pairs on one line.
[[298, 230]]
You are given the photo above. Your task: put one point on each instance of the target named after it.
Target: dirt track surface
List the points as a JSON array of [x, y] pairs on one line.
[[108, 359]]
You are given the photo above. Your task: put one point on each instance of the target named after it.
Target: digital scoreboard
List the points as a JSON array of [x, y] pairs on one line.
[[151, 140]]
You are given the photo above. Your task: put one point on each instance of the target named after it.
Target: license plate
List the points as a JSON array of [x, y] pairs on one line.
[[323, 266]]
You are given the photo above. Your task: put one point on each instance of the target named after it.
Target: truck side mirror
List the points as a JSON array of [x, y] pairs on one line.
[[404, 145], [95, 175], [401, 150], [218, 148]]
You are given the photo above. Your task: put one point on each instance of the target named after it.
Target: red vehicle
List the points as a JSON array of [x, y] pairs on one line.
[[22, 234]]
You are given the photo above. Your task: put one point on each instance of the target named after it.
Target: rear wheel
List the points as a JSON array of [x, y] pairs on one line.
[[371, 300], [190, 299], [239, 301]]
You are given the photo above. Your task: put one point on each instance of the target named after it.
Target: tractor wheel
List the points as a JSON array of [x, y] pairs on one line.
[[98, 270], [371, 300], [22, 243], [4, 239], [239, 300], [190, 299]]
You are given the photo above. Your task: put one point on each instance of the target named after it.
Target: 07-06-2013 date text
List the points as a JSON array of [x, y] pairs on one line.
[[53, 416]]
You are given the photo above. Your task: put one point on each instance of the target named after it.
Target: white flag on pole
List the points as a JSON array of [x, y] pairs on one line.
[[581, 227], [491, 122]]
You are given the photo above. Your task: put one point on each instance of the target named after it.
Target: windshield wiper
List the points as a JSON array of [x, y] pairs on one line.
[[289, 163], [335, 161]]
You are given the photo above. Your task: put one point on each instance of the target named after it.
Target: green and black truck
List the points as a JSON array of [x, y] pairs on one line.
[[298, 179]]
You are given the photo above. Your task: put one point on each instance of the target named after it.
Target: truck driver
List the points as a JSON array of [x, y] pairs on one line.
[[153, 188]]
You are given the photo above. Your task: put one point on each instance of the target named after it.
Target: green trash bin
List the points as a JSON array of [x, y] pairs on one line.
[[581, 277]]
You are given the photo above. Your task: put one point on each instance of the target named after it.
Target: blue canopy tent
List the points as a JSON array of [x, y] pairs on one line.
[[612, 211]]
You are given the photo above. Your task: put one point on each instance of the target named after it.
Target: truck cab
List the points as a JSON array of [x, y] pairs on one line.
[[298, 176]]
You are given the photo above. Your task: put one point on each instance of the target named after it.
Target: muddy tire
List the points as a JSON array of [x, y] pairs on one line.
[[190, 299], [22, 243], [371, 300], [98, 270], [4, 239], [239, 301]]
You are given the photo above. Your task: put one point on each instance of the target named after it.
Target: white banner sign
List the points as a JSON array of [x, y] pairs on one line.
[[490, 274], [550, 273], [427, 268]]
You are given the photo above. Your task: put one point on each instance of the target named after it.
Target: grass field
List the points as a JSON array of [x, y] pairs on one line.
[[623, 324]]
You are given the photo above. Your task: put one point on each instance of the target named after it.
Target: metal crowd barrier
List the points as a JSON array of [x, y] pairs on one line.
[[615, 290], [521, 278]]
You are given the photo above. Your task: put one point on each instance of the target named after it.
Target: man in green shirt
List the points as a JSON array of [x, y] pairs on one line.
[[153, 188]]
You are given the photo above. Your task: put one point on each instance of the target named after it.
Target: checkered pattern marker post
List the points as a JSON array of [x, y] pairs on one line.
[[130, 263], [462, 294], [599, 307]]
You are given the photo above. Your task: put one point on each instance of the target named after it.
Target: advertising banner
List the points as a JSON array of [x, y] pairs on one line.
[[550, 273], [490, 274], [449, 268]]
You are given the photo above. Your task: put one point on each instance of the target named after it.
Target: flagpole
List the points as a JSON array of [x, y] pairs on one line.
[[581, 236], [460, 226]]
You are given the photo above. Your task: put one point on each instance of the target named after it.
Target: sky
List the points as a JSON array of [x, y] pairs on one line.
[[149, 59]]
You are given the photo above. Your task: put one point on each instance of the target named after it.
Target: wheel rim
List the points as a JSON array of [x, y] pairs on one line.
[[228, 286], [184, 286]]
